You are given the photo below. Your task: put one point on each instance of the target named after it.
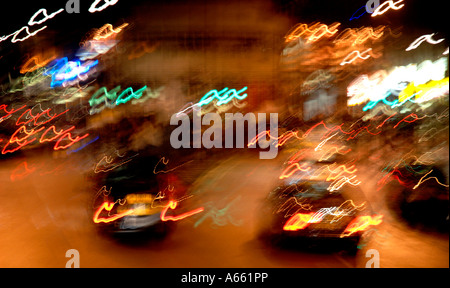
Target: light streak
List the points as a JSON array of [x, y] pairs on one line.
[[386, 6], [362, 7], [347, 208], [130, 94], [173, 205], [108, 160], [344, 169], [333, 150], [425, 92], [421, 180], [412, 115], [385, 120], [15, 175], [58, 134], [292, 202], [8, 113], [35, 118], [32, 21], [314, 32], [69, 137], [165, 162], [83, 146], [107, 30], [418, 41], [14, 139], [63, 70], [38, 63], [111, 95], [24, 28], [319, 147], [337, 184], [297, 156], [358, 36], [93, 8], [361, 223], [108, 207], [219, 217], [284, 137], [92, 48], [228, 95], [114, 100], [293, 168], [354, 55]]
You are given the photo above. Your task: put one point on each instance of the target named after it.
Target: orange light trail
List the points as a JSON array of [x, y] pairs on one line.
[[107, 30], [349, 170], [173, 205], [108, 207], [314, 32], [38, 63], [355, 36], [293, 170], [361, 223], [350, 58]]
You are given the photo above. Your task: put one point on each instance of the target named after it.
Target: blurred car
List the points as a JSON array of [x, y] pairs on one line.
[[307, 212], [419, 195], [132, 197]]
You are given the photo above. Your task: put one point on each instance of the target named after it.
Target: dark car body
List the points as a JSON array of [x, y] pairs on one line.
[[132, 197], [309, 212]]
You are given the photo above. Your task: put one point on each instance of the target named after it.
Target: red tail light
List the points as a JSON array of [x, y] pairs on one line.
[[361, 223], [299, 221]]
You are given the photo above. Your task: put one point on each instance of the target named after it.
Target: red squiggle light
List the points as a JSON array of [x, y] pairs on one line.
[[72, 141], [404, 119], [37, 116], [14, 139], [173, 205], [8, 113]]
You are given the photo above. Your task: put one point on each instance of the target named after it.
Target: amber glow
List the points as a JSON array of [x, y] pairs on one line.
[[299, 221], [362, 223]]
